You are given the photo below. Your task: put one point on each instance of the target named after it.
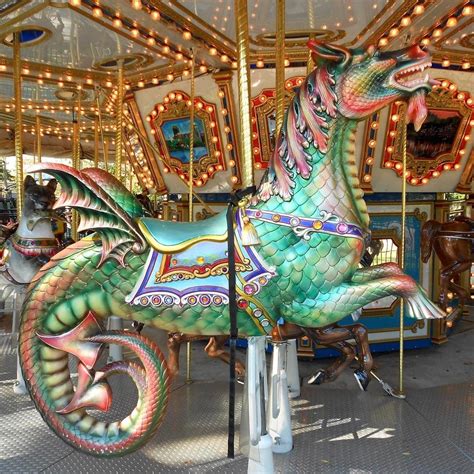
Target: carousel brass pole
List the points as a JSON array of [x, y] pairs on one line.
[[242, 28], [76, 158], [18, 124], [99, 115], [402, 252], [106, 154], [38, 144], [119, 121], [190, 185], [280, 65], [96, 142]]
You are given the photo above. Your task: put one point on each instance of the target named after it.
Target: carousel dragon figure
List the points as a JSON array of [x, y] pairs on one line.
[[312, 224]]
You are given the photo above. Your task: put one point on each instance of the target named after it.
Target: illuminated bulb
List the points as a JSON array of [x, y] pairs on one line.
[[446, 167], [413, 181], [179, 56], [212, 51], [170, 77], [383, 42], [393, 133], [234, 64], [374, 125], [117, 23], [372, 143], [185, 73], [419, 9], [452, 22], [141, 84], [449, 324], [367, 178], [437, 32], [394, 32], [446, 63], [224, 58], [457, 166], [151, 41], [449, 309], [137, 4], [395, 118], [172, 95], [467, 10], [462, 152], [466, 65], [398, 166], [187, 35], [203, 68], [234, 179], [425, 41], [405, 21], [155, 80], [287, 62], [135, 32], [424, 180], [260, 63], [445, 84], [460, 96], [179, 97], [97, 12], [75, 3], [155, 14]]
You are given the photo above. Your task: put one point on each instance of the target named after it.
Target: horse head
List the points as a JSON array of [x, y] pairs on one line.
[[38, 198], [367, 79], [428, 232]]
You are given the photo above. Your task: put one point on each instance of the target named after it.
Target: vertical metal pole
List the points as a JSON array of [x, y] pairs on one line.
[[402, 250], [76, 159], [119, 121], [18, 124], [96, 142], [280, 65], [38, 145], [190, 185], [242, 29]]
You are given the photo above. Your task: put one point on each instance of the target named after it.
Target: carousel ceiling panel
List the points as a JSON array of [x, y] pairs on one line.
[[332, 20], [32, 91], [73, 40]]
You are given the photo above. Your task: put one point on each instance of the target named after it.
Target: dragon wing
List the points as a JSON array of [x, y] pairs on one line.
[[104, 205]]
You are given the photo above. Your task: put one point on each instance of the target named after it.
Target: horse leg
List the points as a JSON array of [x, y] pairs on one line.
[[215, 349], [334, 337], [348, 297], [175, 339], [456, 269]]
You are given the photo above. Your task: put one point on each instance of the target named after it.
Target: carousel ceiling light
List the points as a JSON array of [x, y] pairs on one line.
[[466, 65], [393, 32], [170, 77], [203, 68], [467, 10], [135, 32], [151, 41], [224, 58], [260, 63], [137, 4], [155, 15], [383, 42], [452, 21], [187, 35], [425, 41], [419, 9], [437, 32], [75, 3], [97, 12], [446, 63], [405, 21], [117, 22]]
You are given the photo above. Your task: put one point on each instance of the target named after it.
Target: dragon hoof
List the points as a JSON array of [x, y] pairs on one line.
[[362, 379]]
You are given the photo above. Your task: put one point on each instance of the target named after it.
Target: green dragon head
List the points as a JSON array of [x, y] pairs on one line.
[[367, 80]]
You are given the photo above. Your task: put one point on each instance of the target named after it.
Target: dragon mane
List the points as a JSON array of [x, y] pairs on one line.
[[306, 120]]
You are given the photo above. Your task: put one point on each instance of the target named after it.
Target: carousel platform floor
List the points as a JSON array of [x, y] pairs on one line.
[[336, 427]]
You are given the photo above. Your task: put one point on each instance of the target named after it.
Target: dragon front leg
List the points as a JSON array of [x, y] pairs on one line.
[[348, 297]]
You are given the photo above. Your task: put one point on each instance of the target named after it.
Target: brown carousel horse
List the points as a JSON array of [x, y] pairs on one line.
[[453, 243], [332, 336]]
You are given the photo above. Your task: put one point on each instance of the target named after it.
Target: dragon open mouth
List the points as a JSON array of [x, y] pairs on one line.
[[411, 77]]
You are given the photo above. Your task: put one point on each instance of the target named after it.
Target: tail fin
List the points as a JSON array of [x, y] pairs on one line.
[[104, 205]]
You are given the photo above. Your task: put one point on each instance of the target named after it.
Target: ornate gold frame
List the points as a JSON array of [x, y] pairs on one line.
[[444, 97], [176, 105]]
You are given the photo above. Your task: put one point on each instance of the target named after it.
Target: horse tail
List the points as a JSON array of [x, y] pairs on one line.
[[428, 233]]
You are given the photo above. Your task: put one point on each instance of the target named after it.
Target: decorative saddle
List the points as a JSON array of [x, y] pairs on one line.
[[188, 265]]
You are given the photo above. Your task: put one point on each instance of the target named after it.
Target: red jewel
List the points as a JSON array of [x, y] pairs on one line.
[[242, 304]]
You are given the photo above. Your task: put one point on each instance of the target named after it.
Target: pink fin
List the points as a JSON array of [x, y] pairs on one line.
[[74, 341], [89, 394]]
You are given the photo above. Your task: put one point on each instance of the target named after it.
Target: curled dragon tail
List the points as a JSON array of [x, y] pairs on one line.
[[51, 332]]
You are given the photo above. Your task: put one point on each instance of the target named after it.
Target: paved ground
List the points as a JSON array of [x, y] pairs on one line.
[[336, 427]]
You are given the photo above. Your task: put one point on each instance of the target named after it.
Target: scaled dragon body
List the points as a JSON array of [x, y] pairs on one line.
[[312, 223]]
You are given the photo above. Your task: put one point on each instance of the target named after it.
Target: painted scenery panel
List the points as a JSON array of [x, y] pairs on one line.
[[176, 134]]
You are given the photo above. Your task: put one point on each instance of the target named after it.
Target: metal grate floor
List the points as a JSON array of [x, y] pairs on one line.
[[335, 430]]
